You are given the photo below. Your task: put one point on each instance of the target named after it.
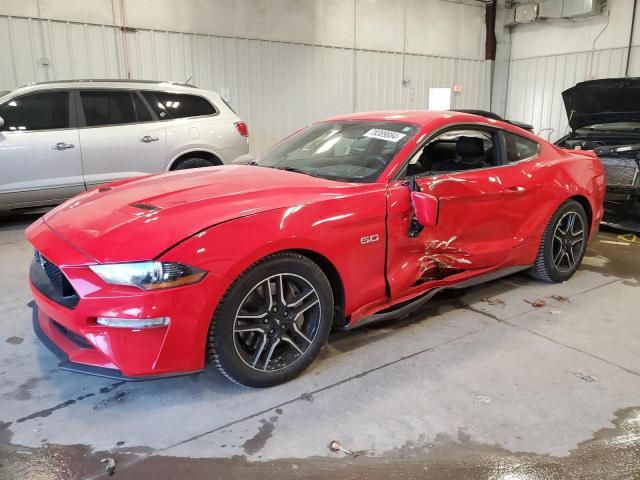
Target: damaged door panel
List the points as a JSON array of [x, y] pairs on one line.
[[482, 217], [468, 234]]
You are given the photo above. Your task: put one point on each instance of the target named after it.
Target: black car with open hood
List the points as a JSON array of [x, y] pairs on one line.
[[604, 116], [601, 102]]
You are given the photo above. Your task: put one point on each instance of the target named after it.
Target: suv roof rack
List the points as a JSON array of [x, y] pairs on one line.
[[113, 80]]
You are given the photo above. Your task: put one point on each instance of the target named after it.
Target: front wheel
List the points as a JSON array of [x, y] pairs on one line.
[[272, 322], [564, 243]]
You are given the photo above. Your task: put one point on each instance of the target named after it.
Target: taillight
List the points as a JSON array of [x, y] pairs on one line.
[[242, 128]]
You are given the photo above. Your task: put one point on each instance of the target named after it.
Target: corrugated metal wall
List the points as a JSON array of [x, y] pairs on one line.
[[277, 87], [536, 84]]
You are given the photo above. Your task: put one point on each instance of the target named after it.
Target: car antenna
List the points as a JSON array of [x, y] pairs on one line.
[[187, 82]]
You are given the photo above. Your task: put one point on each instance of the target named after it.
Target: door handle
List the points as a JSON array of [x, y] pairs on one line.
[[63, 146], [513, 190], [149, 139]]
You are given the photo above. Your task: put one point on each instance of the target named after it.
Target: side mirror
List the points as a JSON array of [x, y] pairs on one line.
[[1, 122], [425, 208]]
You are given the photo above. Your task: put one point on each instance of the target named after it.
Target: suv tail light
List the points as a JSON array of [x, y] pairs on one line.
[[242, 128]]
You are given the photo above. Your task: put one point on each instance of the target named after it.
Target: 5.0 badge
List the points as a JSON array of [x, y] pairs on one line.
[[369, 239]]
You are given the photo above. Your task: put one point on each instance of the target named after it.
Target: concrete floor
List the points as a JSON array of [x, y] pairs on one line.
[[464, 388]]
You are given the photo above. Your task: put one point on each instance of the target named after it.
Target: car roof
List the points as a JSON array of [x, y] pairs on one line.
[[419, 117], [117, 81], [109, 84]]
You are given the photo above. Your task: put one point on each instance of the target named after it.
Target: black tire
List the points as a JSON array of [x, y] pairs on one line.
[[546, 268], [233, 351], [193, 162]]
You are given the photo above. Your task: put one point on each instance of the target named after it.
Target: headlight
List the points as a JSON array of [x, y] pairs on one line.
[[148, 275]]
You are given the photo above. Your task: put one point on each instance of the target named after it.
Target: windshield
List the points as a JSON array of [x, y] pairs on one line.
[[348, 151], [613, 126]]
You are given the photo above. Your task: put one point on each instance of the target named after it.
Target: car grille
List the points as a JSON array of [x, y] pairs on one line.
[[620, 171], [77, 339], [51, 282]]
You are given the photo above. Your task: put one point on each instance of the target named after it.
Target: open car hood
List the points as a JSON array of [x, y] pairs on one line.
[[603, 101]]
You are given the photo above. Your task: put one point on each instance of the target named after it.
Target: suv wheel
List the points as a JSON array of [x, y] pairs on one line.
[[194, 162]]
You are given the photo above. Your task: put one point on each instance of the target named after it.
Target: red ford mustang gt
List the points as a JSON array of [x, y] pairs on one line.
[[350, 220]]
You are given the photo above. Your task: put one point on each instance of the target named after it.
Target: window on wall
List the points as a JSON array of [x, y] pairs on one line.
[[519, 148], [107, 107], [39, 111], [175, 105]]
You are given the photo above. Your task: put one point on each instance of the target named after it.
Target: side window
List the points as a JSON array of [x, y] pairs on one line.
[[519, 148], [176, 105], [455, 151], [143, 114], [38, 111], [109, 107]]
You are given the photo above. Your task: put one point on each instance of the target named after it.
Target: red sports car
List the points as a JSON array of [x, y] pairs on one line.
[[350, 220]]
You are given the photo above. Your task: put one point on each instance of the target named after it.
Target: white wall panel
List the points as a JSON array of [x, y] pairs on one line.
[[427, 27], [536, 84], [553, 37], [549, 57], [277, 87]]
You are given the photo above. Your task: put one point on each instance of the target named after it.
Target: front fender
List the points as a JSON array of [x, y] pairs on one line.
[[332, 229]]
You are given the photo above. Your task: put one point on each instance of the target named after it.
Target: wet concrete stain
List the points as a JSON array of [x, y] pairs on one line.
[[111, 387], [259, 440], [612, 453], [119, 397], [14, 340], [55, 462], [23, 392], [48, 411], [5, 433], [613, 259], [307, 397]]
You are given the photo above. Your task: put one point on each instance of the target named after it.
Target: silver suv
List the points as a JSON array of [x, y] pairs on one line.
[[58, 139]]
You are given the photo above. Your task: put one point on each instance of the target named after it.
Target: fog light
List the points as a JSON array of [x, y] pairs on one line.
[[133, 322]]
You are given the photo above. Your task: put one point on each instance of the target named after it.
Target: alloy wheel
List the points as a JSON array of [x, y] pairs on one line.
[[568, 241], [277, 322]]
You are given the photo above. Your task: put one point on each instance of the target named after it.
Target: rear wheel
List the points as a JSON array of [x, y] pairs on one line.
[[564, 243], [272, 322]]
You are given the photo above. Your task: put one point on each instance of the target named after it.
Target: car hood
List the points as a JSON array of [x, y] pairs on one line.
[[138, 219], [603, 101]]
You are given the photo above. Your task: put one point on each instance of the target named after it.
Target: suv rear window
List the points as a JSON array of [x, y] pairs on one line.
[[38, 111], [107, 107], [177, 105]]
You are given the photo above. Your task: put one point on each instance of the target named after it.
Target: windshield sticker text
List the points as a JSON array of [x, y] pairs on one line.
[[387, 135]]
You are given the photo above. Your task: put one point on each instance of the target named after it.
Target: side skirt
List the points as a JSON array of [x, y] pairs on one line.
[[425, 297]]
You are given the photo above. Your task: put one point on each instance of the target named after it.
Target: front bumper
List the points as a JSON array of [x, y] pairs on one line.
[[44, 328], [70, 330]]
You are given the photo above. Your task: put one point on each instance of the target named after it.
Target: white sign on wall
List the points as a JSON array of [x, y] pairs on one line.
[[440, 98]]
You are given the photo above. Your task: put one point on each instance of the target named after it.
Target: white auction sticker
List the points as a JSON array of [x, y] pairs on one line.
[[387, 135]]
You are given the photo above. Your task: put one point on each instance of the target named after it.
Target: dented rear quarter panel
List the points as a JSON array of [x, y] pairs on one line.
[[560, 175]]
